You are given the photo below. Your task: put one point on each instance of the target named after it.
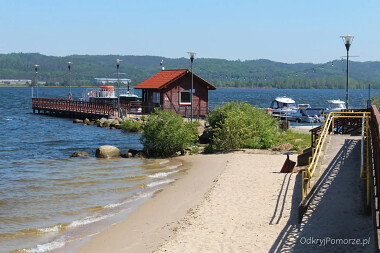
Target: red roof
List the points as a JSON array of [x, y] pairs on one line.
[[165, 77]]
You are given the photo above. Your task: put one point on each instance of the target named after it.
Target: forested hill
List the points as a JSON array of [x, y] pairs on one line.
[[222, 73]]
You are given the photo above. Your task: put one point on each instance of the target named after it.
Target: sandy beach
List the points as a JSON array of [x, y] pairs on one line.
[[236, 202]]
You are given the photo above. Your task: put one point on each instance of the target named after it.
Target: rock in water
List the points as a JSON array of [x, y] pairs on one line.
[[80, 154], [107, 151], [86, 121], [77, 121]]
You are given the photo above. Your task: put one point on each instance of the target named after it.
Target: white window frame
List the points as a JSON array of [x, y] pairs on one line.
[[156, 98], [180, 98]]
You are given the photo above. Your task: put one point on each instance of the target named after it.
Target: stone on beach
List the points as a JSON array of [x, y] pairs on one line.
[[107, 151], [80, 154]]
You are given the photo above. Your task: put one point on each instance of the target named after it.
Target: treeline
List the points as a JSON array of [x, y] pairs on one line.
[[222, 73]]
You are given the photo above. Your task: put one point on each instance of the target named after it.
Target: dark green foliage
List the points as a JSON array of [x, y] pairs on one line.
[[165, 133], [240, 125], [375, 100], [131, 126], [209, 149], [221, 73]]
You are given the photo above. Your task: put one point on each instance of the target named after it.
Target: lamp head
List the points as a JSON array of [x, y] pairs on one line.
[[347, 40], [36, 67], [69, 64], [192, 54], [118, 62]]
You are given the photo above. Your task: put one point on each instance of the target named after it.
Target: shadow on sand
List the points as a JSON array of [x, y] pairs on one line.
[[336, 212]]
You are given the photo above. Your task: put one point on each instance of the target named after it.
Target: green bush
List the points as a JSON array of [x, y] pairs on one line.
[[131, 126], [165, 133], [209, 149], [240, 125]]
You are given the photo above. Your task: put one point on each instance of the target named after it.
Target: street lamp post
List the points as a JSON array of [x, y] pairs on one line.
[[118, 86], [69, 67], [192, 54], [35, 76], [347, 40]]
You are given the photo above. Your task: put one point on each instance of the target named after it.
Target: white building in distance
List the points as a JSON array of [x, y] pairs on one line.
[[104, 81], [15, 81]]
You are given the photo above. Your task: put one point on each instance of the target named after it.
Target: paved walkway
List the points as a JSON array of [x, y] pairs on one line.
[[336, 220]]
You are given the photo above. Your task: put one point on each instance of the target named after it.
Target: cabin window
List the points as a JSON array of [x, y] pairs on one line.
[[184, 97], [156, 97]]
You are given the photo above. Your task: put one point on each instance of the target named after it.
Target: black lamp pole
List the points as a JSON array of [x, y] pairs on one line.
[[69, 67], [35, 77], [118, 87], [192, 54], [347, 40]]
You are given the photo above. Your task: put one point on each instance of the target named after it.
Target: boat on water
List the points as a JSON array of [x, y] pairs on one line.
[[307, 115], [107, 94], [335, 106], [129, 102], [282, 106], [285, 108]]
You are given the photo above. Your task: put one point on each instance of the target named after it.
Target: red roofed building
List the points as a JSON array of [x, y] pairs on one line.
[[170, 90]]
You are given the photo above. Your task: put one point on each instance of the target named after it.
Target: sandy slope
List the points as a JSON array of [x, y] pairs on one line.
[[245, 210], [239, 202]]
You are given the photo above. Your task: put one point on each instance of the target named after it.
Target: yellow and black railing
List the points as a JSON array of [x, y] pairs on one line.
[[335, 122]]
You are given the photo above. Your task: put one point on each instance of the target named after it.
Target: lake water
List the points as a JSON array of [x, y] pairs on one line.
[[48, 200]]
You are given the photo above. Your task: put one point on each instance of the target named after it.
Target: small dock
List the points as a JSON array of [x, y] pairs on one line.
[[63, 107]]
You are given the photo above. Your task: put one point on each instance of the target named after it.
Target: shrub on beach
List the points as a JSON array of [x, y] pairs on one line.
[[240, 125], [165, 133], [131, 126]]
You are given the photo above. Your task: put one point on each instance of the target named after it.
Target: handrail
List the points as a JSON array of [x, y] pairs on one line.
[[320, 141]]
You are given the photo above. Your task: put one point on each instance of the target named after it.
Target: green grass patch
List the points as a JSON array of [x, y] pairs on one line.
[[300, 141], [131, 126]]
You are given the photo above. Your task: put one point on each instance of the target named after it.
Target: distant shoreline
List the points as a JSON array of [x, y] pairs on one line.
[[23, 86]]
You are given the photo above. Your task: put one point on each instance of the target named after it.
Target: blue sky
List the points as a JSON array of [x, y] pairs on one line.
[[287, 31]]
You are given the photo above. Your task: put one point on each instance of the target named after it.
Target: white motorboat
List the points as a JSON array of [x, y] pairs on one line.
[[336, 106], [308, 115], [282, 106]]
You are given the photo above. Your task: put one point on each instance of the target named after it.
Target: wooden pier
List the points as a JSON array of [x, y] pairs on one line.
[[80, 109]]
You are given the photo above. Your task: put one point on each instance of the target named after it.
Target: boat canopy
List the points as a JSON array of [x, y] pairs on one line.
[[338, 101], [337, 104], [285, 100]]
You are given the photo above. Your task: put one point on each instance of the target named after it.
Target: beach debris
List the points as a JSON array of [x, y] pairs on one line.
[[283, 147], [107, 151], [82, 154]]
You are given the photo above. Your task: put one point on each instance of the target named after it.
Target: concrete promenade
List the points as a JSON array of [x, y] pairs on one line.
[[336, 220]]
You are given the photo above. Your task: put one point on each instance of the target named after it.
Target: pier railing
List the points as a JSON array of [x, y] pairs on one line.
[[79, 108], [374, 158], [82, 108]]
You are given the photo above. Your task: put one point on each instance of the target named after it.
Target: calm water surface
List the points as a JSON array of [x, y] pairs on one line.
[[48, 200]]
